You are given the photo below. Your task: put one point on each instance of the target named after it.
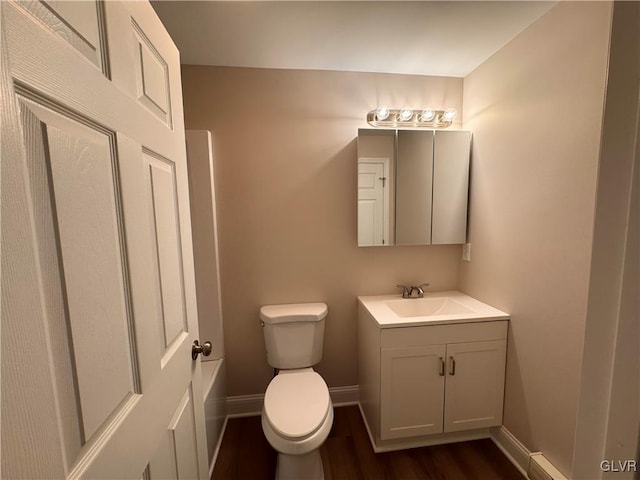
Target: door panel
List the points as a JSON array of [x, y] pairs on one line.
[[152, 75], [370, 203], [166, 224], [145, 64], [366, 223], [36, 298], [98, 306], [176, 456], [163, 463], [184, 437], [76, 195], [78, 23]]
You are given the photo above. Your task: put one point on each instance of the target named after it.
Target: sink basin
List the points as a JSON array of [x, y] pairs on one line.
[[392, 311], [421, 307]]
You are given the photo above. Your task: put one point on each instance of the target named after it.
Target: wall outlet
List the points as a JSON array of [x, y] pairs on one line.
[[466, 252]]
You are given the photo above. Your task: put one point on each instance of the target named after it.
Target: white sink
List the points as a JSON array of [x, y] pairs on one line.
[[391, 311], [420, 307]]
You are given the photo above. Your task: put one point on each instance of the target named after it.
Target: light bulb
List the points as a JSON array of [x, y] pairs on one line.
[[382, 113], [449, 114], [427, 115], [405, 114]]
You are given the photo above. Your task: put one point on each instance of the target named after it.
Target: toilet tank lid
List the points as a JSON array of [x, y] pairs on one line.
[[293, 312]]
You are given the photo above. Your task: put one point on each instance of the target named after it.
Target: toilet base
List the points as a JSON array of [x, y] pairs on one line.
[[300, 467]]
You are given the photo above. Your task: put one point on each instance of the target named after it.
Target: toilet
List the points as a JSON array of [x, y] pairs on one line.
[[297, 414]]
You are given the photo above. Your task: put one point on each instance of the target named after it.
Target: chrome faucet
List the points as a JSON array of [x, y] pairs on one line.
[[407, 292]]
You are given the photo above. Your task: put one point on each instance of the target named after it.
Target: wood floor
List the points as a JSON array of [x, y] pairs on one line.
[[347, 454]]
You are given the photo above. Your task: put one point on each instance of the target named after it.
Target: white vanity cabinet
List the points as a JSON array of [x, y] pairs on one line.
[[430, 384]]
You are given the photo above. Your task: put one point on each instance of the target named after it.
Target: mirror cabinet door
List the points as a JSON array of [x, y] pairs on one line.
[[376, 159], [414, 177], [450, 187]]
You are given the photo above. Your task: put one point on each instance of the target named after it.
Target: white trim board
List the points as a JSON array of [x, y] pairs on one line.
[[214, 399], [244, 405], [251, 405], [217, 450], [515, 451]]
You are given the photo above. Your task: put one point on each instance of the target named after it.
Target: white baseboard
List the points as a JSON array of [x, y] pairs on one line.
[[251, 405], [244, 405], [342, 396], [515, 451]]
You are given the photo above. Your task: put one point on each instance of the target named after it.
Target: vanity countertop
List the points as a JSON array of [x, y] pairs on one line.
[[436, 308]]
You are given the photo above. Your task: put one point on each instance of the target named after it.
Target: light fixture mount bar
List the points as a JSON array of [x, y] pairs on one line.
[[399, 118]]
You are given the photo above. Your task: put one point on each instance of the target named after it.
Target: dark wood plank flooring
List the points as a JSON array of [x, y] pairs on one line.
[[347, 454]]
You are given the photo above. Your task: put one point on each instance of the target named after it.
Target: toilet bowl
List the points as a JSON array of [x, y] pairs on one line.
[[297, 414], [296, 420]]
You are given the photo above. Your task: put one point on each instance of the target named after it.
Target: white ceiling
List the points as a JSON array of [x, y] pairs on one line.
[[449, 38]]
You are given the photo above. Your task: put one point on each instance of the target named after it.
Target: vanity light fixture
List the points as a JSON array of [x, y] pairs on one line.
[[397, 118]]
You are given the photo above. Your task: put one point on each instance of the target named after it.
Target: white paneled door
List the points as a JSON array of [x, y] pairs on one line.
[[373, 201], [98, 297]]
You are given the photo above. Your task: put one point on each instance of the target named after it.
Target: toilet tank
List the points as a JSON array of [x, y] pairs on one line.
[[293, 334]]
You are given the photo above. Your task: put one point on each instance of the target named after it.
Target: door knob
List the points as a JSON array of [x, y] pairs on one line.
[[204, 349]]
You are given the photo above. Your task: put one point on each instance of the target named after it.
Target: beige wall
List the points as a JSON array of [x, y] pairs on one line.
[[285, 166], [535, 109]]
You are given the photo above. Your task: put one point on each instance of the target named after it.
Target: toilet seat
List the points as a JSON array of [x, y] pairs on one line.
[[296, 403]]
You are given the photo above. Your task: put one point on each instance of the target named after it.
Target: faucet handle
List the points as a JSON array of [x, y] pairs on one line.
[[420, 289], [405, 291]]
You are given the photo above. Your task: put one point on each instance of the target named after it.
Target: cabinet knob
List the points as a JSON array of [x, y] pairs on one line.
[[441, 367], [452, 366]]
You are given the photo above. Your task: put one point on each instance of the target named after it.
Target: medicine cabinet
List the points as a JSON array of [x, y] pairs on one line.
[[412, 187]]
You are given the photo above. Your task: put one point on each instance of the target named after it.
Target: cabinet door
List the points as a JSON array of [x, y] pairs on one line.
[[414, 180], [450, 187], [412, 391], [475, 385]]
